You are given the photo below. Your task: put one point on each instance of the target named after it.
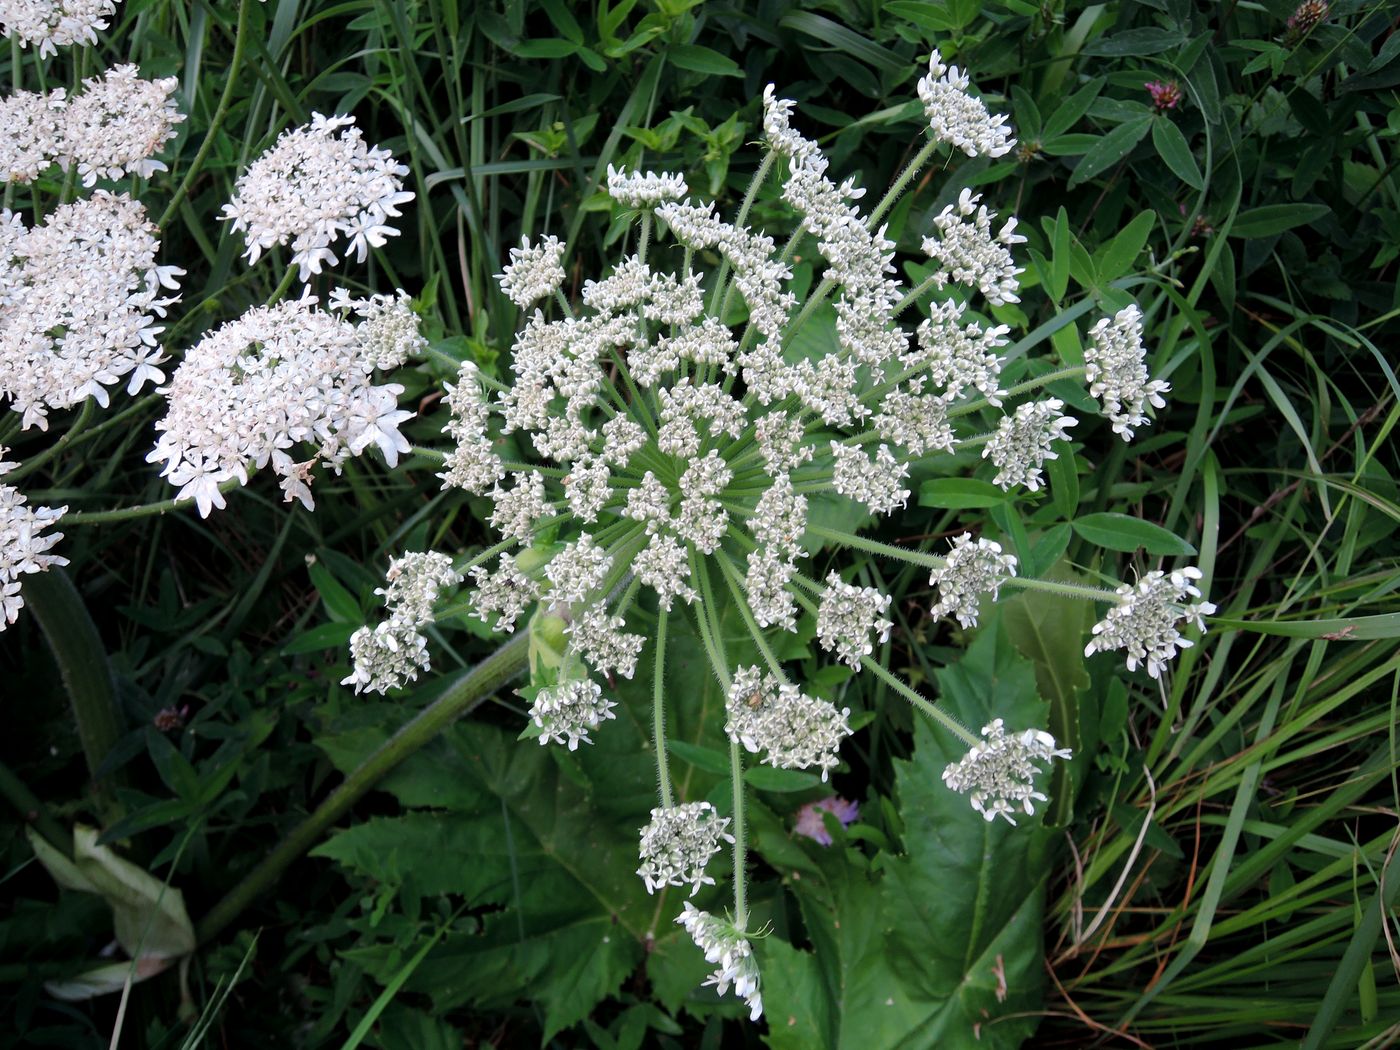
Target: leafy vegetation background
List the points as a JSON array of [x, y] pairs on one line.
[[1211, 867]]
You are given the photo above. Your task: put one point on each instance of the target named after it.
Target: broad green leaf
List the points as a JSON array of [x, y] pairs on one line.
[[550, 47], [1146, 40], [1122, 532], [699, 59], [322, 636], [1176, 153], [1064, 479], [1059, 256], [960, 494], [834, 34], [710, 759], [340, 603], [766, 778], [1118, 256], [1111, 149], [1275, 218]]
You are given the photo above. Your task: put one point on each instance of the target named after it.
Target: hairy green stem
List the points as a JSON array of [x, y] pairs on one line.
[[658, 710], [469, 691], [911, 169], [35, 462], [220, 112], [888, 550]]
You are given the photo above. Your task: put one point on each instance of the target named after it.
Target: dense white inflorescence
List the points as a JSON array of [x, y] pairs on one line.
[[1144, 620], [117, 123], [24, 545], [318, 184], [391, 654], [1116, 368], [678, 844], [971, 571], [725, 945], [79, 299], [998, 771], [51, 24], [252, 391]]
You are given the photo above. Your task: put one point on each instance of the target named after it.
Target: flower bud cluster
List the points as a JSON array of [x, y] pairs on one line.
[[973, 571], [999, 771], [958, 117], [847, 616], [391, 654]]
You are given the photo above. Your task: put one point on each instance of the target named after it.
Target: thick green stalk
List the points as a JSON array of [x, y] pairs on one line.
[[470, 690], [77, 649], [897, 186], [225, 101], [32, 810], [145, 510], [888, 550]]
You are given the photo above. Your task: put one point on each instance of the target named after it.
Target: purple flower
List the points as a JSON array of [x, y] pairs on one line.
[[809, 817], [1165, 94]]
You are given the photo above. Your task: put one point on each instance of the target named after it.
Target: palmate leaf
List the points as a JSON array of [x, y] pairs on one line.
[[940, 946], [546, 836]]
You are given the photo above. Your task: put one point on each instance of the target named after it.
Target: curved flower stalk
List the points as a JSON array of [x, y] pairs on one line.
[[679, 452]]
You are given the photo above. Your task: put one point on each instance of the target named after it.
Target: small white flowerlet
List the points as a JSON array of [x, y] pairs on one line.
[[729, 948], [566, 712], [1144, 622], [390, 655], [506, 593], [797, 731], [33, 135], [958, 117], [678, 844], [968, 253], [316, 185], [847, 616], [534, 271], [998, 771], [972, 571], [1116, 368], [634, 189], [1023, 440], [23, 545]]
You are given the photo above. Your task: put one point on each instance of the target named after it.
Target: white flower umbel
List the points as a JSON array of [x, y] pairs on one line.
[[973, 571], [315, 186], [999, 771], [565, 713], [691, 427], [250, 392], [728, 947], [51, 24], [534, 271], [24, 545], [958, 117], [678, 844], [117, 125], [1023, 440], [847, 617], [1145, 619], [391, 654], [1116, 368], [79, 299], [797, 731]]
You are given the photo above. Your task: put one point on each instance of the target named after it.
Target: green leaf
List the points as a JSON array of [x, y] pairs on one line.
[[1122, 532], [1146, 40], [834, 34], [960, 494], [707, 758], [340, 603], [766, 778], [1111, 149], [322, 636], [1064, 479], [1119, 255], [550, 47], [1275, 218], [1059, 256], [699, 59], [1173, 149]]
